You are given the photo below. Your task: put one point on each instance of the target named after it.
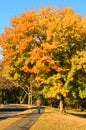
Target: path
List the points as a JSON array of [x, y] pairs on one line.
[[26, 122], [8, 111]]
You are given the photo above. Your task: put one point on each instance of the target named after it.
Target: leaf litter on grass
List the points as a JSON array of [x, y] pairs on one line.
[[53, 120]]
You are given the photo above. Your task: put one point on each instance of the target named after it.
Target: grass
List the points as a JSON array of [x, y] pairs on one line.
[[5, 123], [52, 120], [1, 105]]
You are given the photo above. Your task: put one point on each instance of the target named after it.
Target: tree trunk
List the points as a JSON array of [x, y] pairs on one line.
[[61, 105], [28, 98], [1, 97], [31, 93]]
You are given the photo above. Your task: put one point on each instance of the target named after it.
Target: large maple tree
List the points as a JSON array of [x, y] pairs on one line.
[[43, 48]]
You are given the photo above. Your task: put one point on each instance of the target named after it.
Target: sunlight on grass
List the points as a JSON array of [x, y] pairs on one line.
[[1, 105], [53, 120], [9, 121]]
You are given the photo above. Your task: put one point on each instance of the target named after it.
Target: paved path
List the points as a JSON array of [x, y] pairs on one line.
[[8, 111], [26, 122]]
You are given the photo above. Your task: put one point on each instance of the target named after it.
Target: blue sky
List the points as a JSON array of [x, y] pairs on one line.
[[10, 8]]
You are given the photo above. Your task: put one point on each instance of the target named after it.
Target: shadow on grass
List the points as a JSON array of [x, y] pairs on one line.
[[8, 112], [26, 121], [78, 114]]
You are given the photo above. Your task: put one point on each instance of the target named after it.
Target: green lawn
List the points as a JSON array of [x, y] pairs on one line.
[[52, 120]]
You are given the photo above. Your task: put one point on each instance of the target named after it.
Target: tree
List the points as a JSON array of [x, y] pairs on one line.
[[17, 41], [77, 75], [40, 48]]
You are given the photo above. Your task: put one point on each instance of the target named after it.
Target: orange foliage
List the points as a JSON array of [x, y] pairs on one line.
[[43, 42]]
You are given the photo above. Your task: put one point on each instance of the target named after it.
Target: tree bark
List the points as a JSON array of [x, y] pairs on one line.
[[62, 105], [30, 94]]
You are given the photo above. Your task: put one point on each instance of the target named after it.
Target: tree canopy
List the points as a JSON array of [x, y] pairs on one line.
[[47, 47]]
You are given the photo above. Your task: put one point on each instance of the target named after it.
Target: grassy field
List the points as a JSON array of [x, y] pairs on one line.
[[52, 120]]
